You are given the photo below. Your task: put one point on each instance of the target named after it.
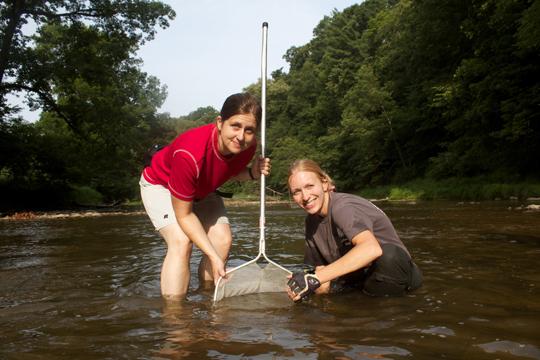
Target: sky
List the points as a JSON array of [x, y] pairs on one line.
[[212, 48]]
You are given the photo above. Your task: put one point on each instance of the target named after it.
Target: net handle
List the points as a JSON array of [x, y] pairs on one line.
[[262, 244]]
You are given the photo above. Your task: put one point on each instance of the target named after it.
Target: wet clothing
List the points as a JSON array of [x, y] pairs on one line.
[[329, 238], [191, 167], [393, 274]]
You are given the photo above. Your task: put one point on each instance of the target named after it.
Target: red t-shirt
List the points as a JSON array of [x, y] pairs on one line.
[[191, 166]]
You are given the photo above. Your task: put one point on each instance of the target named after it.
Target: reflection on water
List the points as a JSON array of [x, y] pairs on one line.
[[89, 289]]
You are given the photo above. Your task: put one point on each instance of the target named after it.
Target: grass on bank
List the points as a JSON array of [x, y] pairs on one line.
[[425, 189], [421, 189], [453, 189]]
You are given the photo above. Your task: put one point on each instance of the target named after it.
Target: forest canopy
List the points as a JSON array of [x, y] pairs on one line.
[[389, 91], [385, 92], [99, 110]]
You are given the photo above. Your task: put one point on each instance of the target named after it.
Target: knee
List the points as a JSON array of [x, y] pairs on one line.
[[180, 245], [226, 239], [223, 244], [177, 242], [394, 273], [221, 236], [391, 254]]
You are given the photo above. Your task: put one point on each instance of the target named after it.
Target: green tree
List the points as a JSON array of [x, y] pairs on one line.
[[19, 70], [492, 105], [414, 49], [284, 152], [369, 150], [388, 91], [99, 109], [104, 99], [199, 117]]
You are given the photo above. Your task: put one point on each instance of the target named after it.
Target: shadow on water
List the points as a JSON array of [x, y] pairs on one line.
[[89, 289]]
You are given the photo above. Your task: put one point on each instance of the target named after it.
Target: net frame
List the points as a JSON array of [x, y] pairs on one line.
[[261, 256]]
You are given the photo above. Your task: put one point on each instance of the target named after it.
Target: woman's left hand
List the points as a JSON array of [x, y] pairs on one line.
[[261, 166]]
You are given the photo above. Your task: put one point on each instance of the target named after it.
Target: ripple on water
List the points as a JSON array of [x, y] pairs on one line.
[[511, 347], [441, 331], [363, 352], [89, 288]]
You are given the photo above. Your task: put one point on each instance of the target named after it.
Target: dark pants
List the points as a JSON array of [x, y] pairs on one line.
[[392, 274]]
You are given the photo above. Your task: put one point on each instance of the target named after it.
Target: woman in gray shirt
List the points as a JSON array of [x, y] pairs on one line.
[[347, 238]]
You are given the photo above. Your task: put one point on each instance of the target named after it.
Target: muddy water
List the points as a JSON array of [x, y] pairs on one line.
[[89, 289]]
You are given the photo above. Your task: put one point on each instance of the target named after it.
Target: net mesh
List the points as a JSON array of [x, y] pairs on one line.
[[250, 278]]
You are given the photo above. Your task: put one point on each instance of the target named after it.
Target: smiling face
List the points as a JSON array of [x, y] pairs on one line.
[[236, 134], [309, 192]]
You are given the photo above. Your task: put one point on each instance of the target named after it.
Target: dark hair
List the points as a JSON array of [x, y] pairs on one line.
[[241, 103]]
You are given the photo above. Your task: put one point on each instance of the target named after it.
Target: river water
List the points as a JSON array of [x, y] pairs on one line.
[[88, 288]]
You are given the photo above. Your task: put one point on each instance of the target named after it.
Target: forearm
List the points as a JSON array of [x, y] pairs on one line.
[[361, 255], [192, 227], [258, 167], [244, 175]]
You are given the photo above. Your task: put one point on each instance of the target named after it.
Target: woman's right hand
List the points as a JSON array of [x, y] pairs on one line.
[[261, 166], [218, 268]]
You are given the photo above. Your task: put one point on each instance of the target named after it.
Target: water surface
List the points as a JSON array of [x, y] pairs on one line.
[[88, 288]]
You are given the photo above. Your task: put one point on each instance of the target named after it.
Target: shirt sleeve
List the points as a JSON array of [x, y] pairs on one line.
[[351, 219], [184, 176]]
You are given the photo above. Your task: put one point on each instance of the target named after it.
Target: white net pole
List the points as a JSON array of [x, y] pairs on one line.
[[253, 277], [262, 244]]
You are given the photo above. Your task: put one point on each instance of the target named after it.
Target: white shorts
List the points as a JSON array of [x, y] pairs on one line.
[[158, 205]]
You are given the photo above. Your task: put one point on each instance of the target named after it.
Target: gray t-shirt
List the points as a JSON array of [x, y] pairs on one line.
[[329, 238]]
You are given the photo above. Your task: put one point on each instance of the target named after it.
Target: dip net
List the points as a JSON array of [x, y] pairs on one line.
[[260, 275]]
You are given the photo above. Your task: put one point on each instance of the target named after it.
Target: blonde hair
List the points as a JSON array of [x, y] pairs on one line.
[[310, 166]]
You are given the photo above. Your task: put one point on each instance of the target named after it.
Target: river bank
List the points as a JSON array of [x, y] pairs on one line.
[[457, 189], [520, 196], [133, 208], [530, 204]]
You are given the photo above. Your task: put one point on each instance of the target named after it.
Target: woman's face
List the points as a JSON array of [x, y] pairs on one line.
[[309, 192], [236, 134]]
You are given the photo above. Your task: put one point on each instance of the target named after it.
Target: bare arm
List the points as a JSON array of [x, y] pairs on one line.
[[258, 167], [192, 227], [366, 249]]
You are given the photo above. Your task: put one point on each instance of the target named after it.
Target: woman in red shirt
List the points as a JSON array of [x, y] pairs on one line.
[[178, 190]]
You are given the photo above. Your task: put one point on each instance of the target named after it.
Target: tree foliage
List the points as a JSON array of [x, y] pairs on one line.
[[98, 108], [385, 92], [199, 117], [388, 91], [128, 22]]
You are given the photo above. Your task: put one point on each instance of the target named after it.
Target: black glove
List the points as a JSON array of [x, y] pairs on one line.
[[303, 284]]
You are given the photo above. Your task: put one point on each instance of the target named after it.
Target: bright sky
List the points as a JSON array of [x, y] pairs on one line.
[[213, 47]]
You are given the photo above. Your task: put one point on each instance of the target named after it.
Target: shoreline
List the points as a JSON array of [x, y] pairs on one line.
[[64, 214], [525, 205], [104, 211]]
